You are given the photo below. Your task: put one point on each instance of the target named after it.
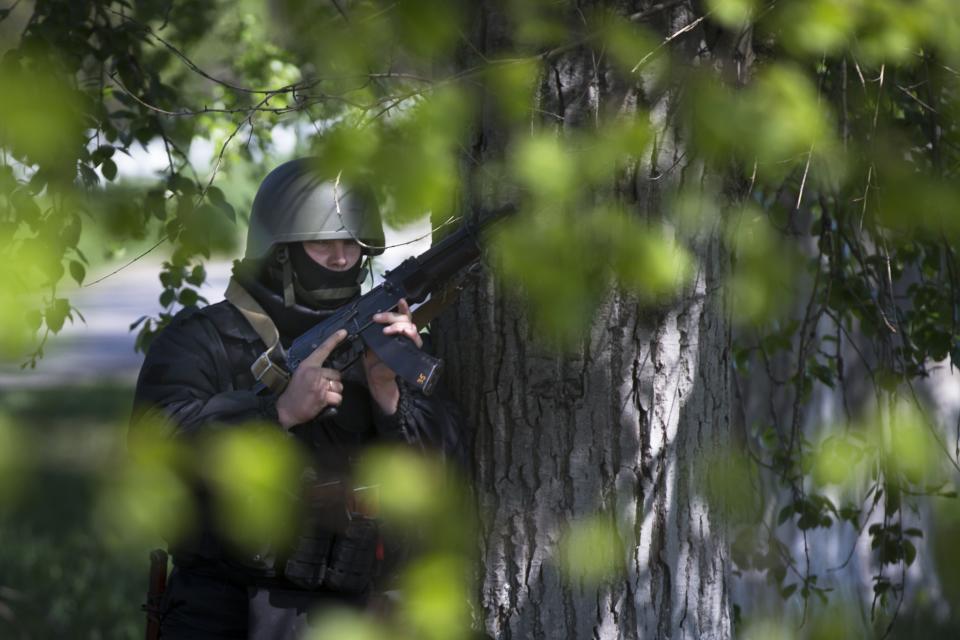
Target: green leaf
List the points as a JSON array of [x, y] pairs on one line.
[[56, 313], [89, 176], [188, 297], [197, 275], [179, 183], [215, 195], [77, 271], [109, 169], [70, 235], [788, 590], [909, 552], [156, 204], [228, 210], [103, 152], [785, 514], [167, 297], [33, 319], [733, 14]]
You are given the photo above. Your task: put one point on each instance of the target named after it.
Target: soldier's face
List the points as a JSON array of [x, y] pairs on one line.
[[336, 255]]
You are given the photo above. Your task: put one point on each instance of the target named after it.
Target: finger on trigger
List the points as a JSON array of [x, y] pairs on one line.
[[321, 353]]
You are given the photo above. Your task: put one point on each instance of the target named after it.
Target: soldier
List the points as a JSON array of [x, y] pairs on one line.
[[305, 257]]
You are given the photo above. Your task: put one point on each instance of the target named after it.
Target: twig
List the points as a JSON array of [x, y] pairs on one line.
[[121, 268], [876, 111], [223, 149], [803, 182], [343, 224], [196, 69], [917, 100], [669, 39], [340, 10]]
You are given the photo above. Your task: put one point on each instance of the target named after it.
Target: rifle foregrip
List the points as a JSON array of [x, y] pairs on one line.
[[419, 369]]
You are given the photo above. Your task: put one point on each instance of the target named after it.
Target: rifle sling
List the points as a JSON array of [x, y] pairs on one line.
[[268, 369]]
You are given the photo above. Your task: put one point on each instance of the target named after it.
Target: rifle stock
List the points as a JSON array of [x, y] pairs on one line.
[[156, 586]]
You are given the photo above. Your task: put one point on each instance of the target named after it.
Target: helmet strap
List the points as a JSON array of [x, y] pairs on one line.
[[289, 295]]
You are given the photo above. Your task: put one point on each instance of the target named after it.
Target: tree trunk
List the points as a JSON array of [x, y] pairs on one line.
[[619, 427]]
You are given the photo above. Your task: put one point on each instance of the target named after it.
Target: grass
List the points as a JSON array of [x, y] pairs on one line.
[[58, 578]]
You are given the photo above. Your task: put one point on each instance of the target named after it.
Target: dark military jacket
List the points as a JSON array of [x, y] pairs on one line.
[[197, 376]]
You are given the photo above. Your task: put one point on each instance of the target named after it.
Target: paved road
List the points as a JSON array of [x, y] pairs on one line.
[[102, 348]]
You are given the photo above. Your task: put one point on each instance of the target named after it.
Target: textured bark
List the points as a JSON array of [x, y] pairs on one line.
[[621, 427]]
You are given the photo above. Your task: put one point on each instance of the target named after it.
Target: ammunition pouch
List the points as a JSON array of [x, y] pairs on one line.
[[343, 562], [338, 546], [353, 557]]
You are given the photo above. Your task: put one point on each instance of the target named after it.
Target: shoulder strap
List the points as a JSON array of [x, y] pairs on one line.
[[268, 368]]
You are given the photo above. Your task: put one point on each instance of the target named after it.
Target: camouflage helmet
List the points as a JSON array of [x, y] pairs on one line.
[[295, 203]]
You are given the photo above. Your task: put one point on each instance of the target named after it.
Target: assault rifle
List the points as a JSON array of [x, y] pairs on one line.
[[413, 280]]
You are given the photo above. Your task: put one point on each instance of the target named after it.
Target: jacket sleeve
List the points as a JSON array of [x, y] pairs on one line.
[[431, 422], [186, 382]]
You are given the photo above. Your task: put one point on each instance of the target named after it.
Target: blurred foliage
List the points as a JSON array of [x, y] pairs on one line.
[[254, 475], [348, 625], [824, 152], [591, 551], [59, 577]]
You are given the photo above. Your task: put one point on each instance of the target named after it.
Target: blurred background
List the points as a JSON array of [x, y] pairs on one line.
[[769, 184]]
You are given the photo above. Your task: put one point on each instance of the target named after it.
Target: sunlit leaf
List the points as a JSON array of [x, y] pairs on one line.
[[591, 550], [765, 268], [254, 474], [410, 485], [554, 261], [836, 461], [727, 478], [147, 496], [628, 43], [909, 446], [610, 148], [546, 167], [512, 85], [647, 260], [731, 13], [47, 131], [347, 624], [764, 629], [435, 597], [346, 149], [416, 162], [537, 22], [428, 27]]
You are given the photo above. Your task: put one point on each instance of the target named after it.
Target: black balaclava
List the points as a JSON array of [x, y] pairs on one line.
[[319, 287], [294, 290], [297, 293]]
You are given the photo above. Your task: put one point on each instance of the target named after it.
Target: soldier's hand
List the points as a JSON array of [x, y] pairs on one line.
[[380, 378], [313, 387]]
